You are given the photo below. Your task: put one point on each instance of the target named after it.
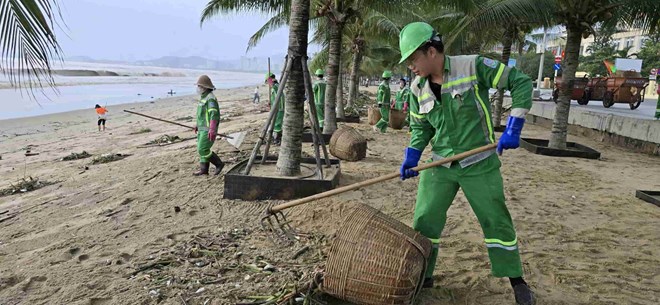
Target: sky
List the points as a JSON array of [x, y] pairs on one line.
[[148, 29]]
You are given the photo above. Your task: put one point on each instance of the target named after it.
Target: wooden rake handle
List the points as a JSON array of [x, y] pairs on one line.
[[171, 122], [372, 181]]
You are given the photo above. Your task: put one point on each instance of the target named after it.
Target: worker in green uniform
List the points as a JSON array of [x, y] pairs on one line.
[[272, 81], [401, 99], [208, 117], [319, 96], [449, 108], [383, 100]]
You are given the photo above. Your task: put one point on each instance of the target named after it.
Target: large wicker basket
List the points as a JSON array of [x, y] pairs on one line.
[[397, 119], [376, 260], [348, 144], [373, 115]]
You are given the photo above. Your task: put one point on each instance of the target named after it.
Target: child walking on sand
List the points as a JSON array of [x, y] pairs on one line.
[[101, 112]]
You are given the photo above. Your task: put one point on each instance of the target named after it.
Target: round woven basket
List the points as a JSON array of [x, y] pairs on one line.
[[397, 119], [373, 115], [376, 260], [348, 144]]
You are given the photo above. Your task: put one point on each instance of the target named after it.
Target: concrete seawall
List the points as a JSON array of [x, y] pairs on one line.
[[641, 135]]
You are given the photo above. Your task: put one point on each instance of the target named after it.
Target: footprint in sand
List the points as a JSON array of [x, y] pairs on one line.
[[123, 258], [74, 251], [83, 257]]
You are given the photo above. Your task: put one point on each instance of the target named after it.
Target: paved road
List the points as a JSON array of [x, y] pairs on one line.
[[645, 111]]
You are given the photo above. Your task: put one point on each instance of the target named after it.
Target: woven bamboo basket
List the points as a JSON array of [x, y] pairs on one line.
[[348, 144], [373, 115], [397, 119], [376, 260]]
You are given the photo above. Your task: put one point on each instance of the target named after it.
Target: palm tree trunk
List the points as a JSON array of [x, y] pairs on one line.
[[288, 162], [353, 85], [560, 121], [340, 94], [330, 122], [506, 54]]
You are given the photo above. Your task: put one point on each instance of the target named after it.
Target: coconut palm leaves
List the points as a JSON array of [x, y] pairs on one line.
[[28, 42]]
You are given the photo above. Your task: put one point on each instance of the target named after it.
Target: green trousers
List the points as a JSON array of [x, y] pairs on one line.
[[204, 146], [320, 114], [482, 185], [385, 118], [278, 121], [657, 109]]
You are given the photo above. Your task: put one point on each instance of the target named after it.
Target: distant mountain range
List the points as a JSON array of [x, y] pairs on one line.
[[248, 64]]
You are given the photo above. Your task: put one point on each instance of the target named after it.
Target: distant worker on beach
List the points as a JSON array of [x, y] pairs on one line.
[[101, 112], [319, 96], [383, 100], [208, 117], [272, 81], [256, 98]]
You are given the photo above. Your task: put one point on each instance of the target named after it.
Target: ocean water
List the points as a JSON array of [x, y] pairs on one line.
[[83, 92]]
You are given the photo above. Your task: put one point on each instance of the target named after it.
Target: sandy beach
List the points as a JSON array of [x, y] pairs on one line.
[[111, 234]]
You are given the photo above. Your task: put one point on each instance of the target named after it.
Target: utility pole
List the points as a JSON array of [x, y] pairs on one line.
[[540, 76]]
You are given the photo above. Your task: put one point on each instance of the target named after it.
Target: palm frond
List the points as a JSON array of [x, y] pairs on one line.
[[28, 42], [217, 7], [320, 59], [274, 23]]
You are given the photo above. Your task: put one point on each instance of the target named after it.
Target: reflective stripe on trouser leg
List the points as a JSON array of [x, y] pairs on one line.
[[384, 120], [483, 187], [204, 147], [436, 191], [278, 121], [320, 115]]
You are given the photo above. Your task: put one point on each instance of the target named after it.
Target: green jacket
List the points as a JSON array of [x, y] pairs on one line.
[[273, 95], [319, 92], [401, 97], [461, 119], [207, 110], [384, 94]]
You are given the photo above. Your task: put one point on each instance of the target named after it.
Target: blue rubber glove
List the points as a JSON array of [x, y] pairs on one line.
[[510, 139], [410, 159]]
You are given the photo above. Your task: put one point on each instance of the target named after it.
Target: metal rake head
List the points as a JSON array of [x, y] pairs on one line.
[[278, 227]]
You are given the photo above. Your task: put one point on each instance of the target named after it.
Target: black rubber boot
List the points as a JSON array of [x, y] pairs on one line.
[[215, 160], [428, 283], [203, 169], [524, 295]]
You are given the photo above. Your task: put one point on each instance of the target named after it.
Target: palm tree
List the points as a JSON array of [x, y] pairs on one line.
[[579, 17], [295, 13], [514, 32], [28, 42], [338, 13], [512, 24], [280, 9], [288, 162]]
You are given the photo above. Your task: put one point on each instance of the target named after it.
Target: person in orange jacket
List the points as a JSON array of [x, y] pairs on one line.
[[101, 112]]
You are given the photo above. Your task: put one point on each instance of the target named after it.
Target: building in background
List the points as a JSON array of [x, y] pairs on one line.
[[633, 38]]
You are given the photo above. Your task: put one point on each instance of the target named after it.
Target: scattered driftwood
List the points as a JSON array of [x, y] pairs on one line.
[[24, 185], [107, 158], [76, 156], [165, 140]]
